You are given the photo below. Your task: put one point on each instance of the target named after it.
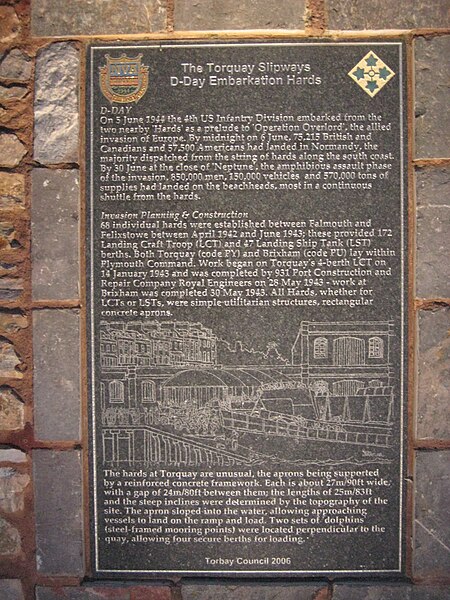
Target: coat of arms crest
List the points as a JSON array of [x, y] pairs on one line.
[[123, 79]]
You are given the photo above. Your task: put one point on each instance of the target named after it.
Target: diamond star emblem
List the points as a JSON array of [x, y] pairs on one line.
[[371, 74]]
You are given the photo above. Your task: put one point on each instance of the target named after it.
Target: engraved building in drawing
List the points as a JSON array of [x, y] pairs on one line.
[[136, 357], [348, 367], [154, 343]]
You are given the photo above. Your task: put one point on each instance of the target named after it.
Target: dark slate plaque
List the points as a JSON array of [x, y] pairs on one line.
[[247, 284]]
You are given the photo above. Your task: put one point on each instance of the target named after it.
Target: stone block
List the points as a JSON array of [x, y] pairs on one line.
[[432, 525], [58, 512], [379, 14], [151, 592], [257, 591], [394, 591], [433, 231], [12, 321], [432, 58], [15, 114], [10, 544], [56, 374], [7, 269], [9, 361], [11, 589], [56, 18], [9, 24], [12, 190], [55, 234], [11, 150], [12, 488], [10, 288], [247, 14], [12, 455], [374, 591], [97, 592], [15, 65], [56, 109], [424, 592], [8, 239], [12, 93], [11, 410], [434, 370]]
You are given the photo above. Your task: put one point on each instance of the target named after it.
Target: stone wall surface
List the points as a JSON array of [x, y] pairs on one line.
[[56, 375], [55, 251], [16, 528], [433, 221], [58, 509], [432, 63], [389, 592], [42, 45], [261, 592], [432, 526], [11, 589], [81, 17], [379, 14], [433, 375], [228, 14], [56, 104]]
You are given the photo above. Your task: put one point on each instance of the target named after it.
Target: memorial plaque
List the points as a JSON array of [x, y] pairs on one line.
[[247, 294]]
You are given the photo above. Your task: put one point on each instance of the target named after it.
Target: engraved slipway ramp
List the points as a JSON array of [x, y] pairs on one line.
[[151, 445]]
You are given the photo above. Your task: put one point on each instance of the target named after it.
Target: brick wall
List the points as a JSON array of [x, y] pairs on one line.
[[42, 46]]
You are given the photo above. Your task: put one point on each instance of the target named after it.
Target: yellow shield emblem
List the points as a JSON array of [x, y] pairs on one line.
[[123, 79]]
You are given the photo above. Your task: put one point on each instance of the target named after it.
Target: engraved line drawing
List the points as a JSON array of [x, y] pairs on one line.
[[167, 398]]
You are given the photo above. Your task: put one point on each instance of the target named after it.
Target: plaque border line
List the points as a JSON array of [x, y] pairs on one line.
[[91, 370]]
